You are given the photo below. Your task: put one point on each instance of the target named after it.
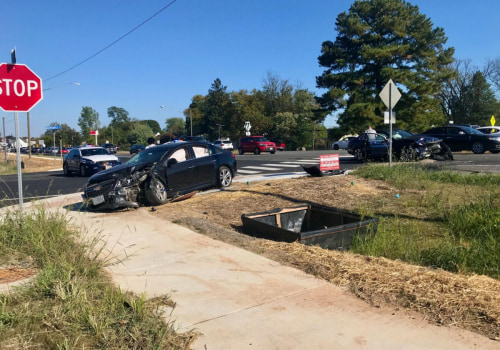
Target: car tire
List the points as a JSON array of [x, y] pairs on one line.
[[273, 152], [155, 192], [359, 154], [225, 177], [256, 151], [66, 170], [478, 148], [494, 152], [240, 151], [83, 172], [336, 147], [407, 154]]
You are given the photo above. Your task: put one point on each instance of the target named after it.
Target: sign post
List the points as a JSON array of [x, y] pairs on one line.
[[54, 128], [390, 95], [20, 90]]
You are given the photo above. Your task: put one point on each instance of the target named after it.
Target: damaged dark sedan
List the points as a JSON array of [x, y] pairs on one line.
[[160, 174], [406, 147]]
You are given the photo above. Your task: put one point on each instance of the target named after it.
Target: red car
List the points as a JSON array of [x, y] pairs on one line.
[[256, 144]]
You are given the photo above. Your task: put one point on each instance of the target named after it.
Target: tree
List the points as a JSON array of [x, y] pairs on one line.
[[175, 126], [216, 109], [153, 124], [139, 134], [88, 120], [118, 116], [380, 40], [467, 98]]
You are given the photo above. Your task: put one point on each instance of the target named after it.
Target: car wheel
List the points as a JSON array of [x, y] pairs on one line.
[[66, 170], [478, 148], [256, 151], [494, 152], [155, 192], [407, 154], [225, 176], [83, 172], [273, 152], [359, 154], [336, 147], [240, 151]]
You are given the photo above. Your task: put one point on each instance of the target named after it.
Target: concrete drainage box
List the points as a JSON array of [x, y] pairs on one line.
[[329, 228]]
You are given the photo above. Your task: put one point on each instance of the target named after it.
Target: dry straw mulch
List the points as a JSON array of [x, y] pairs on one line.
[[448, 299]]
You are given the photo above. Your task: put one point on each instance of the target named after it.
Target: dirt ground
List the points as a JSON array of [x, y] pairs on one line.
[[470, 302], [35, 163]]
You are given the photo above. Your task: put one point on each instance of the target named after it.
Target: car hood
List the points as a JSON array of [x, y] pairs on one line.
[[424, 138], [101, 158], [117, 172]]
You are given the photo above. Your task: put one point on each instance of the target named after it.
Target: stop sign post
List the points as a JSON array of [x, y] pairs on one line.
[[20, 90]]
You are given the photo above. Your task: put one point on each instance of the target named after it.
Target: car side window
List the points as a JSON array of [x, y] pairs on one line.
[[180, 155], [201, 151], [453, 131]]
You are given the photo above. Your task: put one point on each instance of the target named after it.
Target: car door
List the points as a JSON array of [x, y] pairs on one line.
[[457, 139], [179, 171], [377, 145], [203, 163], [74, 160]]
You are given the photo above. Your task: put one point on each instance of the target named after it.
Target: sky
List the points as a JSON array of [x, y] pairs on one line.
[[134, 55]]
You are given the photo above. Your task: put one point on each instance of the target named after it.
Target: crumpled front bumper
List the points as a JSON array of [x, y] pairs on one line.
[[109, 195]]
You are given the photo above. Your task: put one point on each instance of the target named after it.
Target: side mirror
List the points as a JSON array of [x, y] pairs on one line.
[[171, 161]]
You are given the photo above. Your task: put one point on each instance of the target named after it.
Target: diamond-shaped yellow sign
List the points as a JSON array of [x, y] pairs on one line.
[[492, 120]]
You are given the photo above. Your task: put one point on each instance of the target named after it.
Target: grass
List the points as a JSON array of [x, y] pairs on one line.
[[71, 303], [443, 219], [8, 168]]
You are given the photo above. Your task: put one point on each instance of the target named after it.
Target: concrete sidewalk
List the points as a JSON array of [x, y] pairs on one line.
[[240, 300]]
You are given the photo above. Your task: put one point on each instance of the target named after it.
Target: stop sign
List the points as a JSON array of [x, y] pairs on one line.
[[20, 88]]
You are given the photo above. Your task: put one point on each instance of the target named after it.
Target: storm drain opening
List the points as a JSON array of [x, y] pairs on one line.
[[310, 224]]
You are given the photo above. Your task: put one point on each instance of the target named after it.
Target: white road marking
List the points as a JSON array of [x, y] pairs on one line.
[[242, 171], [281, 165]]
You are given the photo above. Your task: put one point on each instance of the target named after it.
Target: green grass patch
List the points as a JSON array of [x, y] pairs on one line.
[[71, 302], [443, 219]]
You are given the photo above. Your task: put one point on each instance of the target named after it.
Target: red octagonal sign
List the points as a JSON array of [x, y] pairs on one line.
[[20, 88]]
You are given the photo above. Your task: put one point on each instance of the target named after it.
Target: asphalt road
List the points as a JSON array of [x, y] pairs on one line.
[[50, 184]]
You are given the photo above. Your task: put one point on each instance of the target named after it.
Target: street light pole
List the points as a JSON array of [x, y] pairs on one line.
[[220, 125]]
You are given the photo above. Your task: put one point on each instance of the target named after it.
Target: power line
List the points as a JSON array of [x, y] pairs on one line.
[[114, 42]]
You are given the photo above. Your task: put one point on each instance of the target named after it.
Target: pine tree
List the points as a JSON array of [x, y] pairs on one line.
[[379, 40]]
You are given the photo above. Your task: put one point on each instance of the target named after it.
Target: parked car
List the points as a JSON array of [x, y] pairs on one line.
[[463, 138], [195, 138], [256, 144], [160, 174], [136, 148], [88, 160], [280, 146], [342, 142], [224, 144], [406, 147], [109, 147], [489, 130]]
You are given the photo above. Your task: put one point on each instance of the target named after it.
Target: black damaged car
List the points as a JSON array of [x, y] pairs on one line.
[[160, 174], [406, 147]]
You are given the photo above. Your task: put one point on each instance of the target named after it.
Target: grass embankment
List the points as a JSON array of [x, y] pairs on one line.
[[71, 303], [444, 219]]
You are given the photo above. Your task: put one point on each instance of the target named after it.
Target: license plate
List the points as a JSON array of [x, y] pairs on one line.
[[98, 200]]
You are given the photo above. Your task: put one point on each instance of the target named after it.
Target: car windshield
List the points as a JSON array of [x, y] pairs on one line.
[[400, 134], [260, 139], [94, 152], [149, 155]]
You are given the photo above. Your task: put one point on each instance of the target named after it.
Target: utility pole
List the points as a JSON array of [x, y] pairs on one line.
[[220, 125]]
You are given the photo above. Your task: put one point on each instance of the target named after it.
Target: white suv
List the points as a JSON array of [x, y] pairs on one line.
[[224, 144]]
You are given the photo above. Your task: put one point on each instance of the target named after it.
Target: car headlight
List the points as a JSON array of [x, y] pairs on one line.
[[491, 138]]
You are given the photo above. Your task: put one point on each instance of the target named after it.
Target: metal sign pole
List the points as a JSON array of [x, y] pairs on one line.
[[390, 125], [18, 158]]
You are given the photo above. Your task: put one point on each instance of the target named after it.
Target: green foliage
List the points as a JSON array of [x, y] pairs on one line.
[[380, 40], [88, 121], [176, 126], [453, 225], [118, 116], [139, 134]]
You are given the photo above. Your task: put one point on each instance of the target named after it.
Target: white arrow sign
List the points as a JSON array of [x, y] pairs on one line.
[[390, 94]]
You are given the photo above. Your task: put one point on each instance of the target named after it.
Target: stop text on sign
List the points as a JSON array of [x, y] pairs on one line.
[[18, 87]]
